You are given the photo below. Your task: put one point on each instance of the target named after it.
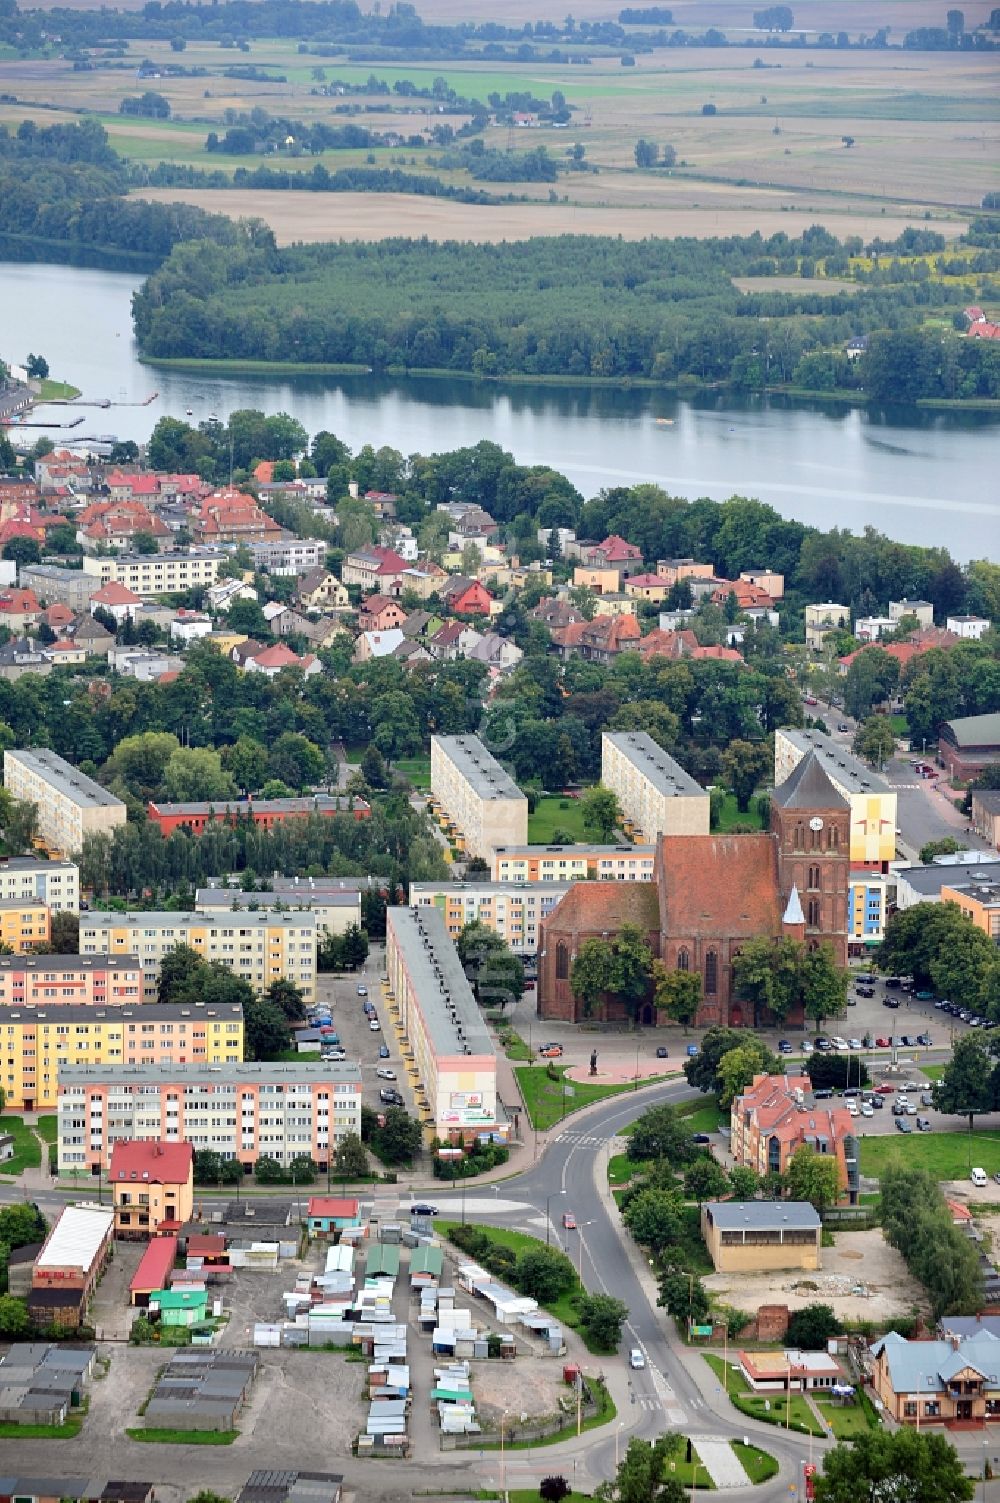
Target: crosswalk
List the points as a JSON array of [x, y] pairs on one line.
[[581, 1139]]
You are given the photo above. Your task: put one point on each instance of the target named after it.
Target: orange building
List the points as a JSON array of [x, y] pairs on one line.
[[24, 923], [768, 1123], [153, 1187], [52, 980], [979, 900]]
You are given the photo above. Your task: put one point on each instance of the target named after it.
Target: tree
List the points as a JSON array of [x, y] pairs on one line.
[[646, 153], [875, 740], [495, 973], [296, 760], [621, 966], [655, 1218], [553, 1489], [702, 1070], [744, 1182], [350, 1159], [643, 1474], [705, 1179], [180, 970], [14, 1321], [668, 157], [21, 551], [968, 1083], [683, 1296], [811, 1327], [768, 974], [265, 1030], [269, 1171], [677, 993], [907, 1465], [246, 761], [64, 933], [661, 1133], [601, 1318], [37, 367], [824, 985], [737, 1069], [399, 1141], [745, 764], [814, 1177], [871, 679], [286, 996], [543, 1273], [601, 813], [196, 773], [917, 1221], [946, 846], [837, 1071]]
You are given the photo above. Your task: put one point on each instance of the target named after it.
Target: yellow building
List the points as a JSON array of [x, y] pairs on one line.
[[476, 795], [37, 1042], [257, 947], [513, 910], [573, 863], [224, 641], [152, 1185], [616, 605], [24, 923], [655, 794], [872, 799], [156, 573], [761, 1236], [70, 805], [979, 901], [603, 580]]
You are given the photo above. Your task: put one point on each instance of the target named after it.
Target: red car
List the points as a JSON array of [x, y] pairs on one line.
[[883, 1043], [551, 1051], [569, 1221], [885, 1090]]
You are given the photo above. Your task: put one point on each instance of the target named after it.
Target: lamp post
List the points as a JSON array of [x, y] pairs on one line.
[[503, 1459], [618, 1431], [635, 1082], [548, 1224]]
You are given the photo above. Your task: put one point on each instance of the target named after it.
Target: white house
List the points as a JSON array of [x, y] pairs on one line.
[[188, 626], [970, 627], [870, 628], [221, 596], [116, 599]]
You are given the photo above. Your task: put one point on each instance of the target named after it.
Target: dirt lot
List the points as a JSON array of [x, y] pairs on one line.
[[858, 1258], [526, 1388], [370, 216]]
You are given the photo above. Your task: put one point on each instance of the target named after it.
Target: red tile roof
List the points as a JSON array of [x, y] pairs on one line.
[[591, 907], [159, 1163], [332, 1205], [718, 884], [155, 1265], [115, 593], [19, 602], [614, 550]]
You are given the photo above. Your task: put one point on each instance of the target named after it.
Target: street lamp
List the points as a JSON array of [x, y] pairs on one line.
[[618, 1431], [548, 1224], [503, 1459]]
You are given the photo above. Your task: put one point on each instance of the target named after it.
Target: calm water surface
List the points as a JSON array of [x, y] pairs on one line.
[[921, 477]]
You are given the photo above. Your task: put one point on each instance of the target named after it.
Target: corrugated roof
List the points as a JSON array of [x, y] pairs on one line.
[[77, 1237]]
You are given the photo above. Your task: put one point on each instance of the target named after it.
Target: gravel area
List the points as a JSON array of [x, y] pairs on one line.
[[527, 1387]]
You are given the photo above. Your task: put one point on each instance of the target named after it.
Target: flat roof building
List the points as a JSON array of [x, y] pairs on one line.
[[24, 923], [240, 1111], [156, 573], [923, 884], [199, 814], [573, 863], [750, 1236], [656, 795], [872, 799], [70, 805], [259, 947], [55, 883], [513, 910], [445, 1040], [476, 795], [335, 911], [57, 980], [978, 897]]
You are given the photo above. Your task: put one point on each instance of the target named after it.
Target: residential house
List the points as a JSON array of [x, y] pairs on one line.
[[556, 613], [769, 580], [116, 600], [790, 1371], [616, 603], [466, 597], [375, 569], [747, 595], [187, 626], [222, 595], [292, 624], [232, 516], [420, 625], [57, 617], [411, 652], [322, 631], [971, 628], [328, 1214], [400, 538], [615, 551], [474, 526], [767, 1127], [94, 638], [274, 660], [872, 628], [146, 665], [377, 644], [318, 589], [603, 579], [822, 620], [152, 1185], [598, 641], [285, 555], [717, 654], [66, 654], [668, 644], [673, 570], [454, 640], [117, 524], [499, 654], [423, 580], [953, 1380], [380, 613], [23, 655], [755, 1236], [923, 610], [19, 609], [648, 587]]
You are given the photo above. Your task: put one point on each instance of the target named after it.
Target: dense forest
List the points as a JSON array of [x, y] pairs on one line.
[[573, 306]]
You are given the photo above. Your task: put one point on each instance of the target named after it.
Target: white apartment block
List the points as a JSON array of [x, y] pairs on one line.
[[258, 947], [513, 910], [656, 795], [335, 911], [56, 883], [70, 805], [477, 795], [240, 1111], [288, 555], [156, 573]]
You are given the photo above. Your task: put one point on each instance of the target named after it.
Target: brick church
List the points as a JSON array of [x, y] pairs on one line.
[[710, 894]]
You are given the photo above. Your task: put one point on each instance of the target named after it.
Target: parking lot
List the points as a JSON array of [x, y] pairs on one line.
[[361, 1042]]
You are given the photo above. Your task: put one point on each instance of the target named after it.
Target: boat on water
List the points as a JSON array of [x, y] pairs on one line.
[[189, 412], [664, 422]]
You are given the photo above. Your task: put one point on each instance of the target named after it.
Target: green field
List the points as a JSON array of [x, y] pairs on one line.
[[759, 1465], [730, 815], [27, 1149], [772, 1411], [47, 1128], [552, 814], [846, 1421], [54, 391], [945, 1155], [41, 1432], [416, 769], [545, 1101], [184, 1437]]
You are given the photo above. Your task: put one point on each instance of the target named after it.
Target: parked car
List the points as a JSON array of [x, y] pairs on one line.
[[806, 1046], [374, 1025], [390, 1097], [902, 1125], [423, 1209], [691, 1051], [551, 1051], [882, 1042], [701, 1138], [900, 1107], [842, 726], [890, 1002], [838, 1042], [809, 699], [878, 1102], [924, 1040], [333, 1054], [923, 1124], [383, 1051], [823, 1044], [904, 1039], [384, 1073], [867, 1109], [865, 991], [569, 1221], [892, 981], [885, 1089], [854, 1044], [823, 1094], [926, 1098], [784, 1047]]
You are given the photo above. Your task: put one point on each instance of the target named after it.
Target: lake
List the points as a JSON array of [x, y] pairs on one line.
[[920, 477]]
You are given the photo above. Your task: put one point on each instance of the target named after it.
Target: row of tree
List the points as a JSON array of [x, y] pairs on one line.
[[944, 950], [917, 1222]]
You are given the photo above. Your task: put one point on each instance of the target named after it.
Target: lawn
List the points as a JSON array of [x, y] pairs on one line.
[[703, 1117], [945, 1155], [933, 1072], [514, 1046], [58, 391], [730, 815], [416, 769], [554, 814], [759, 1465], [47, 1128], [184, 1437], [845, 1420], [42, 1432], [772, 1410], [27, 1149], [544, 1098]]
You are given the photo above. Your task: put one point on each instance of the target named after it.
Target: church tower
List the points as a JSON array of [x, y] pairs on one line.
[[811, 821]]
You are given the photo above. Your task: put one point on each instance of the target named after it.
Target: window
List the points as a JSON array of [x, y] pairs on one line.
[[834, 838], [813, 878], [800, 836], [683, 960], [813, 913], [711, 973], [562, 962]]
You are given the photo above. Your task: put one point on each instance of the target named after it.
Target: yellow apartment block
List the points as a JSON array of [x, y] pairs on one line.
[[476, 795], [656, 796], [24, 923], [70, 805], [258, 947]]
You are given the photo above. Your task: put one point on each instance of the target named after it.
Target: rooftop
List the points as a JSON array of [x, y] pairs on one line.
[[156, 1162], [666, 775], [975, 886], [848, 772], [186, 921], [929, 880], [974, 730], [927, 1366], [64, 778], [605, 907], [451, 1015], [319, 803], [763, 1215], [809, 786], [582, 851], [227, 897], [499, 889], [143, 1012], [280, 1072], [478, 766], [54, 963], [77, 1237]]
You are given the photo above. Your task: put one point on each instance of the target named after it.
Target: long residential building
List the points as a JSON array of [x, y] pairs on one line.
[[259, 947], [656, 795], [156, 573], [54, 883], [56, 586], [288, 555], [335, 911], [573, 863], [476, 795], [24, 923], [61, 980], [872, 799], [444, 1037], [513, 910], [239, 1111], [70, 805], [197, 816], [37, 1042]]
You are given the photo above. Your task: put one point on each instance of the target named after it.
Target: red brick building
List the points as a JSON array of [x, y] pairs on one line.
[[263, 811], [710, 894]]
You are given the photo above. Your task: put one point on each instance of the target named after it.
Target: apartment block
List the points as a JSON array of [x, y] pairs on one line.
[[288, 555], [476, 796], [24, 923], [70, 805], [37, 1042], [512, 910], [54, 883], [656, 795], [156, 573], [867, 906], [259, 947], [240, 1111], [573, 863], [55, 586], [335, 912], [979, 899], [444, 1039], [872, 799], [65, 980]]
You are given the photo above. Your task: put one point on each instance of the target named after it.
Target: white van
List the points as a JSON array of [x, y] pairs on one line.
[[978, 1177]]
